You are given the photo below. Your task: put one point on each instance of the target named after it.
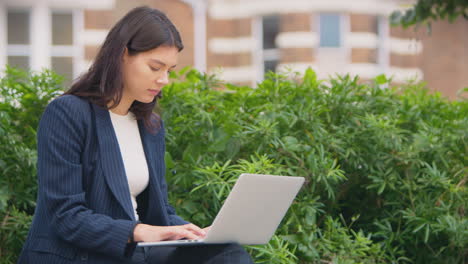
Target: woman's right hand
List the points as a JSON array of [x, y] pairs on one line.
[[150, 233]]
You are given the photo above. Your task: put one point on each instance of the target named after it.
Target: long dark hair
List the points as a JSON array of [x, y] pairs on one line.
[[141, 29]]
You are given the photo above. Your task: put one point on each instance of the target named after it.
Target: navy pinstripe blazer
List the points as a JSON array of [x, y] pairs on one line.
[[84, 213]]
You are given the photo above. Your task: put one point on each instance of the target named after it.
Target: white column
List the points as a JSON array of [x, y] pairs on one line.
[[383, 48], [345, 29], [200, 36], [199, 31], [257, 50], [40, 36], [3, 38], [79, 64]]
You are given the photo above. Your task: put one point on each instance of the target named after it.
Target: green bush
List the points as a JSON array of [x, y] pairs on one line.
[[23, 98], [385, 168]]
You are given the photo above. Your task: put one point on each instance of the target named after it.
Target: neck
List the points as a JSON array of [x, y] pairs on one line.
[[123, 107]]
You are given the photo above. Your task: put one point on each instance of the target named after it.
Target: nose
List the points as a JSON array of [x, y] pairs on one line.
[[163, 79]]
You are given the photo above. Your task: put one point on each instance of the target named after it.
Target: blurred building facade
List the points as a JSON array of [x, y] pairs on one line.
[[242, 39]]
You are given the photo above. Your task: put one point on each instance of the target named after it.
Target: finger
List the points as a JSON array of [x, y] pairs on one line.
[[191, 235], [206, 229], [194, 232], [197, 230], [168, 233], [181, 232]]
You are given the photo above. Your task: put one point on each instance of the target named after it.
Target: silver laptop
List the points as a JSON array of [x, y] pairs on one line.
[[251, 213]]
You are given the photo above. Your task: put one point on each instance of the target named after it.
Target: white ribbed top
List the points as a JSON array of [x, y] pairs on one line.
[[133, 155]]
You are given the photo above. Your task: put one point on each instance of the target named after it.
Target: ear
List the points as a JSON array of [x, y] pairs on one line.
[[125, 55]]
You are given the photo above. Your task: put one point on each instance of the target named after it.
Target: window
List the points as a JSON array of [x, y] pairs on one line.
[[330, 30], [332, 55], [41, 36], [270, 29], [62, 45], [18, 38]]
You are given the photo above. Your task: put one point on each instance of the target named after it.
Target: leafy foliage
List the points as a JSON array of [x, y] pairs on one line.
[[385, 168], [23, 98], [426, 11]]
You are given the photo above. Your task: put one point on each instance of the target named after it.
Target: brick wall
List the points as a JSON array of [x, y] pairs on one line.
[[291, 22], [406, 60], [363, 55], [444, 59], [296, 22], [363, 23], [96, 20], [228, 29], [178, 12], [181, 15], [444, 56]]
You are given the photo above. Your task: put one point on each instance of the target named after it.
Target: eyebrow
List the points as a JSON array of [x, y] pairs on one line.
[[162, 63]]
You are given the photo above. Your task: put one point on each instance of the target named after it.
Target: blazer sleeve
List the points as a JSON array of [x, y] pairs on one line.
[[61, 139], [174, 219]]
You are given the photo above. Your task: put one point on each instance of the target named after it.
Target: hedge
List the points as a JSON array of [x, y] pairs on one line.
[[385, 167]]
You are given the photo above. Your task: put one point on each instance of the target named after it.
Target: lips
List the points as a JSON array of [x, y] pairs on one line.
[[154, 92]]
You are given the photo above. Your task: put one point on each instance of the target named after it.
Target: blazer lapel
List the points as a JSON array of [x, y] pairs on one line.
[[111, 158]]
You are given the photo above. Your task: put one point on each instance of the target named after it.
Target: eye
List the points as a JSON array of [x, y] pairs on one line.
[[154, 69]]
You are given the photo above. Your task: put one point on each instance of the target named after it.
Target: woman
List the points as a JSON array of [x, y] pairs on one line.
[[101, 159]]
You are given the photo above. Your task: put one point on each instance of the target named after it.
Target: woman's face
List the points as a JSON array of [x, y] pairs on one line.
[[147, 72]]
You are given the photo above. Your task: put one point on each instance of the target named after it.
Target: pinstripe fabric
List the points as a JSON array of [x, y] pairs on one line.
[[84, 212]]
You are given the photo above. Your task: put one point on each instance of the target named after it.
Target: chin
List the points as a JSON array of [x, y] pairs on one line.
[[146, 100]]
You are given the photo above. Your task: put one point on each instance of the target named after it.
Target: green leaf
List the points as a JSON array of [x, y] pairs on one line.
[[232, 147], [220, 142], [310, 77], [4, 198], [419, 228], [381, 188], [169, 161], [190, 207], [381, 79], [291, 143], [294, 239]]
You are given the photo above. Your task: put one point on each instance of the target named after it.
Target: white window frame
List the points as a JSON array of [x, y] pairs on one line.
[[383, 49], [40, 49], [257, 51], [259, 54], [343, 49], [17, 49], [199, 9], [345, 28], [76, 50], [341, 33]]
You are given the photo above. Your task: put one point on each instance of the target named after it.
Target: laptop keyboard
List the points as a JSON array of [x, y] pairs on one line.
[[188, 240]]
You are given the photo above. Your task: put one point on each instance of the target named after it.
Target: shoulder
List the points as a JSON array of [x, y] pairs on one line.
[[69, 109], [69, 105], [72, 102]]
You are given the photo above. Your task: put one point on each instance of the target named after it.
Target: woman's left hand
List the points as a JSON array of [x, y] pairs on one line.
[[206, 229]]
